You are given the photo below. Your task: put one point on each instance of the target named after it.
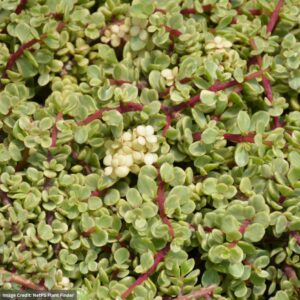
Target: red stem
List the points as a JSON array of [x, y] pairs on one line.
[[128, 107], [21, 6], [238, 138], [16, 55], [197, 136], [21, 281], [266, 84], [203, 292], [160, 199], [81, 162], [207, 8], [55, 130], [159, 257], [57, 16], [168, 124], [290, 272], [244, 226], [22, 163], [255, 11], [187, 11], [173, 32], [274, 17], [296, 236], [88, 232], [163, 11], [4, 197]]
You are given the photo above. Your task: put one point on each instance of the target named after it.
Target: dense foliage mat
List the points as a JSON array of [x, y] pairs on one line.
[[151, 149]]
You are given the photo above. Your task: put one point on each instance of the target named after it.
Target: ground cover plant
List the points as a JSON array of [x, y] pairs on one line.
[[150, 149]]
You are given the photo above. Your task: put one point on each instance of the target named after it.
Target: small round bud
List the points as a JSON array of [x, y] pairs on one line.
[[115, 28], [108, 171], [127, 136], [152, 139], [149, 158], [141, 140], [107, 160], [115, 162], [149, 130], [141, 130], [122, 171]]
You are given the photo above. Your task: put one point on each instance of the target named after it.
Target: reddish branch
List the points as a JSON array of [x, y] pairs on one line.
[[56, 16], [118, 82], [16, 55], [55, 130], [88, 232], [290, 272], [26, 283], [21, 6], [244, 226], [159, 257], [296, 236], [160, 199], [173, 32], [22, 164], [222, 86], [239, 138], [255, 11], [123, 108], [188, 11], [5, 199], [205, 292], [274, 17], [86, 167]]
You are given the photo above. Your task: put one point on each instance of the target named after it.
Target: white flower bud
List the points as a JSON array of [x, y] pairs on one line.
[[115, 162], [167, 73], [65, 281], [127, 136], [122, 171], [150, 158], [149, 130], [129, 160], [115, 41], [218, 39], [107, 33], [141, 140], [108, 171], [152, 139], [107, 160], [137, 156], [141, 130], [115, 28]]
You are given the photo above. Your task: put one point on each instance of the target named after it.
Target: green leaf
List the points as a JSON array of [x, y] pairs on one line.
[[81, 134], [243, 121], [134, 197], [209, 135], [236, 270], [121, 256], [45, 231], [208, 97], [167, 172], [147, 186], [241, 156], [254, 232], [99, 237]]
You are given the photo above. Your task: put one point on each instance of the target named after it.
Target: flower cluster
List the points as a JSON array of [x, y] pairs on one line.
[[135, 148], [169, 75], [115, 33], [141, 140], [219, 44]]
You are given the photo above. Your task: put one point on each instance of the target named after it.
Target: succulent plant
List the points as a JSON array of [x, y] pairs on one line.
[[149, 150]]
